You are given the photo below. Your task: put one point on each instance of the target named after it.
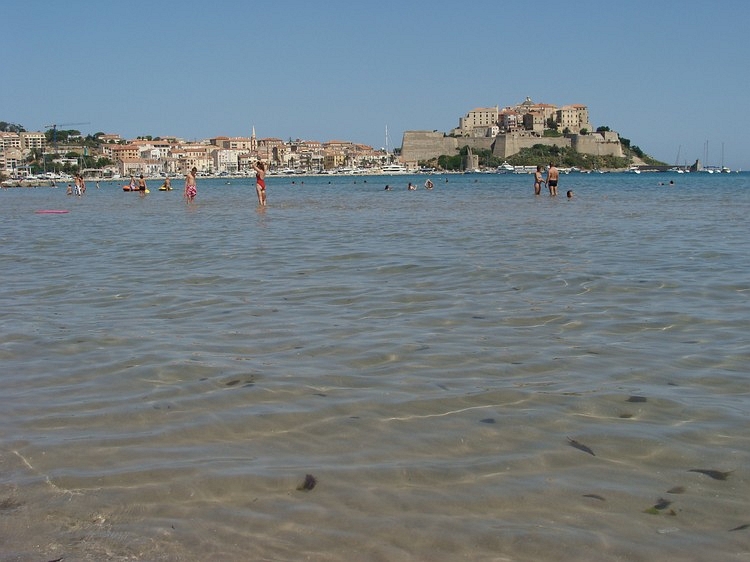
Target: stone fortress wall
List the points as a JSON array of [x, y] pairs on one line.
[[506, 132], [425, 145]]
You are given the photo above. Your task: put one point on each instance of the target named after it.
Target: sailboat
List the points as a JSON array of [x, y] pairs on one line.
[[724, 169], [393, 167], [676, 167]]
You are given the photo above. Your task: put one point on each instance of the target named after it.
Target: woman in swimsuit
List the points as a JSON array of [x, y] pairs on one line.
[[191, 188], [260, 181], [538, 181]]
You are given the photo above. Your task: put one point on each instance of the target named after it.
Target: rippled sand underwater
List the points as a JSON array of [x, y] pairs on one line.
[[464, 373]]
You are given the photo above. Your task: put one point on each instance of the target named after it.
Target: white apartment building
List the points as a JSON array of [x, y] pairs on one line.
[[11, 159], [574, 118], [30, 141], [479, 117], [226, 160], [24, 140], [9, 140], [150, 153]]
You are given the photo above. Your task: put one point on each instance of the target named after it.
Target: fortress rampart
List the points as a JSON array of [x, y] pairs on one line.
[[426, 145], [512, 143], [600, 144]]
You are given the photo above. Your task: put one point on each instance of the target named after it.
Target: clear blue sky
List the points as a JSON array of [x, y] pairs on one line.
[[669, 76]]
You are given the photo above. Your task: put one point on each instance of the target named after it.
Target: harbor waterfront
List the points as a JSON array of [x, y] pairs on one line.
[[464, 373]]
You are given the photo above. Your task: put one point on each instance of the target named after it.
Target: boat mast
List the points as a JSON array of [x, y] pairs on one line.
[[705, 153]]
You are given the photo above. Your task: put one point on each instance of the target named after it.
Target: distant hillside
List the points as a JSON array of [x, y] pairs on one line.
[[637, 156], [568, 157]]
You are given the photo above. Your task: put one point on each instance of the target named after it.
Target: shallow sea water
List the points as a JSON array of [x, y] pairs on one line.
[[172, 374]]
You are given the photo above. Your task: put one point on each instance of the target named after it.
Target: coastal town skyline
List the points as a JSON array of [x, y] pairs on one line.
[[308, 72], [110, 154]]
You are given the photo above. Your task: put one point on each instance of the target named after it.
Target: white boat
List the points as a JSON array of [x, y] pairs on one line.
[[723, 169], [505, 168], [395, 169]]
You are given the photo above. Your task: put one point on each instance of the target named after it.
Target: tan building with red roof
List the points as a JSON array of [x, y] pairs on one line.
[[573, 118], [121, 152]]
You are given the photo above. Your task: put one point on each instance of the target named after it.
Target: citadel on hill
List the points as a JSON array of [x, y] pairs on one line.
[[507, 131]]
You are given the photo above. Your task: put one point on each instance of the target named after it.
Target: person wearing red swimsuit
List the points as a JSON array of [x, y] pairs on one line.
[[260, 182]]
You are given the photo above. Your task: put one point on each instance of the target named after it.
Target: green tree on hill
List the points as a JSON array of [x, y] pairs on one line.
[[61, 136], [6, 127]]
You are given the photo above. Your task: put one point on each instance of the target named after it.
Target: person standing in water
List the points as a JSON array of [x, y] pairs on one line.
[[538, 180], [191, 185], [260, 182], [142, 187], [552, 176]]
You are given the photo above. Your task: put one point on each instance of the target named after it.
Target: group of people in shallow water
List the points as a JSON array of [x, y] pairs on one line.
[[79, 186], [139, 185], [191, 184], [553, 176], [411, 187]]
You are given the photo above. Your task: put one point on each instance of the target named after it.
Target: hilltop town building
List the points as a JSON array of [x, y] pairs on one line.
[[9, 140], [30, 141], [479, 122]]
